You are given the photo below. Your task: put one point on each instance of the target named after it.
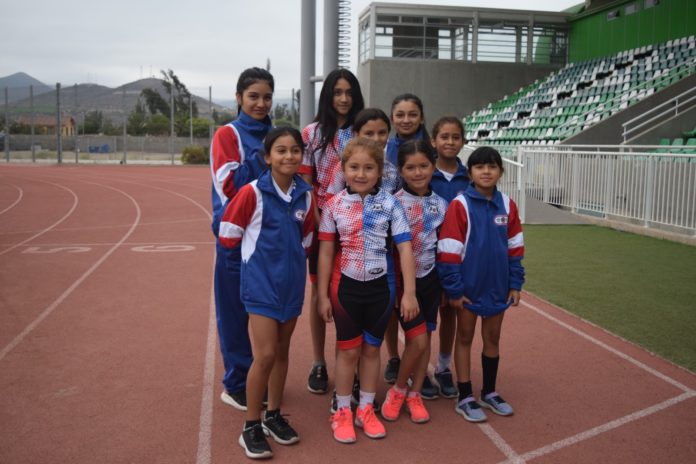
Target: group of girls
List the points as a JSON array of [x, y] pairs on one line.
[[388, 223]]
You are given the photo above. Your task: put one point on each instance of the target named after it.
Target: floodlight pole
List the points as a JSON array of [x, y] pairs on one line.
[[307, 58]]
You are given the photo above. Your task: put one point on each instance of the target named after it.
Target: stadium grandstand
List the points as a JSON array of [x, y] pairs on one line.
[[594, 107]]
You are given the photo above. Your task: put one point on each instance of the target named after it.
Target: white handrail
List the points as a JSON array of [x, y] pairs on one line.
[[671, 108]]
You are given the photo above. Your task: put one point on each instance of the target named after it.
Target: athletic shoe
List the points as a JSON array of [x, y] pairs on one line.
[[277, 427], [366, 419], [392, 404], [416, 409], [428, 391], [497, 404], [253, 440], [236, 400], [342, 426], [446, 384], [392, 370], [470, 409], [318, 381]]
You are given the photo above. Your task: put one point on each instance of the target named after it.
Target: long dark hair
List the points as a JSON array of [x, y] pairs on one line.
[[251, 76], [326, 114], [414, 99]]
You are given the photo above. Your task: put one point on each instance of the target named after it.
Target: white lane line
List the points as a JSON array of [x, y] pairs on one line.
[[65, 216], [618, 353], [501, 444], [46, 312], [593, 432], [205, 427], [19, 198]]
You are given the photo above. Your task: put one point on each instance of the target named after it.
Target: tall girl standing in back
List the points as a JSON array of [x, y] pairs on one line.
[[480, 265], [408, 120], [425, 211], [365, 220], [449, 180], [271, 221], [234, 162], [339, 101]]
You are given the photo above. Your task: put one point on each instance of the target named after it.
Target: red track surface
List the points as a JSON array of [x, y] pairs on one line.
[[109, 350]]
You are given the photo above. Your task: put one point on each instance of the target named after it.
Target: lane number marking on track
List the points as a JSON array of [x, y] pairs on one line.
[[163, 248], [52, 250]]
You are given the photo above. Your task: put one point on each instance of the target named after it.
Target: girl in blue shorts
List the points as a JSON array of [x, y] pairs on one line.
[[425, 211], [364, 221], [271, 221]]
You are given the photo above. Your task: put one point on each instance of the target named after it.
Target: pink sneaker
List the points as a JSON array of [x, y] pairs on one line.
[[417, 409], [391, 408], [342, 426], [366, 419]]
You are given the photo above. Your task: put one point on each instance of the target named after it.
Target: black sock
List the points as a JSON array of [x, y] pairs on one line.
[[464, 389], [490, 373], [250, 424], [271, 413]]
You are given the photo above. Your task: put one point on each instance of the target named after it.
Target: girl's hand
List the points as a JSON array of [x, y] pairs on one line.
[[514, 296], [325, 309], [409, 306], [459, 302]]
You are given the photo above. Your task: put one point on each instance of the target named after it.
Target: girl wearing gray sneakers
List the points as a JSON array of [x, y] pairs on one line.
[[479, 261]]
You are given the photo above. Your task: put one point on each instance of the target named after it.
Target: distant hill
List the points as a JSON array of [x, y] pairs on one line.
[[18, 87], [82, 98]]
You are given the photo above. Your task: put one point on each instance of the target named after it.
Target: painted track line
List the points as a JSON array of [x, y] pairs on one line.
[[615, 351], [75, 202], [19, 198], [46, 312], [205, 427], [600, 429]]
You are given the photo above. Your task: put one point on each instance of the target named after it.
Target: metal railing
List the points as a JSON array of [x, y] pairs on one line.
[[633, 184], [672, 107]]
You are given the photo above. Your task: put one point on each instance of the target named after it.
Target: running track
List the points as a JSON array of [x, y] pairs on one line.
[[108, 350]]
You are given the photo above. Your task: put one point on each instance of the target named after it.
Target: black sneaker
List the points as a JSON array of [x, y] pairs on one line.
[[334, 403], [446, 384], [318, 381], [236, 400], [392, 370], [253, 440], [355, 399], [429, 391], [277, 427]]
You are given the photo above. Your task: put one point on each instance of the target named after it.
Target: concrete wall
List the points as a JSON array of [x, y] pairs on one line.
[[610, 131], [446, 87]]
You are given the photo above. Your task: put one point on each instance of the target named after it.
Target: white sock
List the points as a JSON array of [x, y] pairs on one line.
[[366, 398], [443, 361], [342, 401], [400, 390]]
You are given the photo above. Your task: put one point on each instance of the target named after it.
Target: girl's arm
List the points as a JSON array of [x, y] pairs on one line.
[[236, 218], [515, 254], [450, 253], [327, 250], [409, 304]]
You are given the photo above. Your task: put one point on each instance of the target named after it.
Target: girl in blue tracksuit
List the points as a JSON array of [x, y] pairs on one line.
[[234, 162], [449, 180], [479, 261], [408, 120], [271, 221]]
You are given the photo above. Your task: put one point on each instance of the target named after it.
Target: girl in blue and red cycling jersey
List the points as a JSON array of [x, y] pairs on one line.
[[425, 211], [480, 265], [340, 101], [234, 162], [408, 120], [271, 222], [449, 180], [364, 221]]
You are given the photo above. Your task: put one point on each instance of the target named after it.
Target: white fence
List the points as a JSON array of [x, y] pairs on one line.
[[636, 184]]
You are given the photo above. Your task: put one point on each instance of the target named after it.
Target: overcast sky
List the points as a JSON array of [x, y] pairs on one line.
[[205, 42]]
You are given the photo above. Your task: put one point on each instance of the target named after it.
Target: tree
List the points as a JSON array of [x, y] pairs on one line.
[[94, 120], [136, 120], [201, 128], [281, 112], [223, 117], [157, 124], [154, 102]]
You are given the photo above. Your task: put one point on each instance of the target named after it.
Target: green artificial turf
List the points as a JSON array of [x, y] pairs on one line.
[[641, 288]]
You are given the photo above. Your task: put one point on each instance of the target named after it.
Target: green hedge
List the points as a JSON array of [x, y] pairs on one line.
[[195, 155]]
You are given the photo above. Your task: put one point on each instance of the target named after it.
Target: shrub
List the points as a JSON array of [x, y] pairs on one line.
[[194, 155]]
